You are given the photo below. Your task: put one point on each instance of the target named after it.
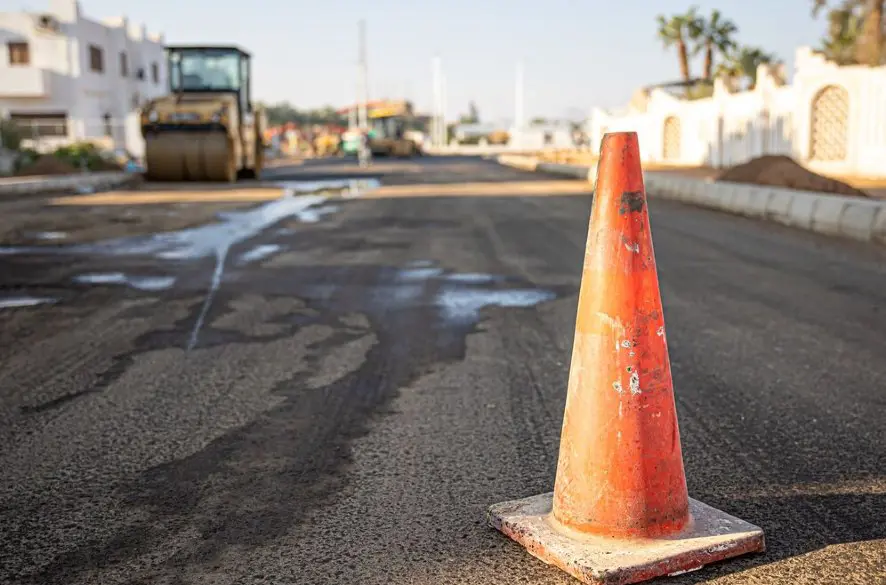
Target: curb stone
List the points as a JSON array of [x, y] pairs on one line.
[[55, 184], [857, 218]]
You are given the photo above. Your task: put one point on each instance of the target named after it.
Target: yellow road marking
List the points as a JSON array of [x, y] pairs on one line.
[[152, 197]]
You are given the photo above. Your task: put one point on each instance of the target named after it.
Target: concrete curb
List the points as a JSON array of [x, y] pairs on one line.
[[575, 171], [517, 161], [61, 183], [851, 217]]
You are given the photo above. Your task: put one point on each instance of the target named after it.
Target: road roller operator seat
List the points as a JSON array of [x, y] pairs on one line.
[[207, 128]]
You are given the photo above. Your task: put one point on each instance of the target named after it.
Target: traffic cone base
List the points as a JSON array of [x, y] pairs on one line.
[[711, 536]]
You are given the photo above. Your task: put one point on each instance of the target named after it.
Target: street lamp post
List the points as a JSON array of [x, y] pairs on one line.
[[364, 79]]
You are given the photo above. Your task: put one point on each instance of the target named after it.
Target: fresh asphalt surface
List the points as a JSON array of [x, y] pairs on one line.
[[354, 398]]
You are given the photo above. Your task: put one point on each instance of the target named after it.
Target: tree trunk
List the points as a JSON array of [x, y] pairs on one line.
[[869, 49], [684, 65], [708, 61], [684, 59]]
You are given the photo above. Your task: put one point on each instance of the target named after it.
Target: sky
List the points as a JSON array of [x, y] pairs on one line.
[[577, 54]]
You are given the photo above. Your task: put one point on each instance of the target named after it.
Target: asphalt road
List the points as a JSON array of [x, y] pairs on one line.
[[335, 393]]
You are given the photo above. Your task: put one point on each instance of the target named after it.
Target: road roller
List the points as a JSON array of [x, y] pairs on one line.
[[207, 127], [390, 125]]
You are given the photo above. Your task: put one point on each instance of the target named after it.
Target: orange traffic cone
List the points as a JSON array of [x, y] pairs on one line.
[[619, 512]]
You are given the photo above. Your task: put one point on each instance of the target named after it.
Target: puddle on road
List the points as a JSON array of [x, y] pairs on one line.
[[259, 252], [17, 302], [420, 264], [213, 240], [50, 236], [472, 278], [149, 283], [347, 188], [457, 298], [313, 215], [422, 273], [464, 305]]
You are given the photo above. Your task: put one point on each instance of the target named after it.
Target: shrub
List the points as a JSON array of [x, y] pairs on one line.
[[81, 154], [10, 135]]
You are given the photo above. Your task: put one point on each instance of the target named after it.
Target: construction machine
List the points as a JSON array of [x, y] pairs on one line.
[[207, 128], [390, 127]]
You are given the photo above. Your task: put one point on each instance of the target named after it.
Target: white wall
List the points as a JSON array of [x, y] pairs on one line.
[[62, 60], [533, 137], [771, 119]]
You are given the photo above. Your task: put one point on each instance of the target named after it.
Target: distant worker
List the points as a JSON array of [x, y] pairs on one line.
[[364, 153]]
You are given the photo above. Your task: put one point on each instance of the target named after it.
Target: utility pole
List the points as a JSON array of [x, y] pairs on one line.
[[443, 132], [352, 111], [518, 98], [438, 102], [364, 79]]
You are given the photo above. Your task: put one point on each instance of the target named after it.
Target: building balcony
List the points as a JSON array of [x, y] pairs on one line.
[[24, 82]]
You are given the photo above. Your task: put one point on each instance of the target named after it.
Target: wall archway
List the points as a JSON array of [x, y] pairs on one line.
[[671, 138], [829, 124]]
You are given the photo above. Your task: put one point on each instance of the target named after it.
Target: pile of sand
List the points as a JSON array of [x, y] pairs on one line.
[[783, 171], [48, 165]]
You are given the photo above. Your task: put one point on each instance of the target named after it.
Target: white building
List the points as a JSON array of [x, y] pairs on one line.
[[541, 136], [66, 78], [830, 118]]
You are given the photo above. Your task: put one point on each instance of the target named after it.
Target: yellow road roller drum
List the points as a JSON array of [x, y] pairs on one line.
[[207, 128]]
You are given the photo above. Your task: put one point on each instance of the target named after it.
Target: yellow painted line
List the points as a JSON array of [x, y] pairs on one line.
[[159, 197], [515, 189], [284, 162], [479, 189]]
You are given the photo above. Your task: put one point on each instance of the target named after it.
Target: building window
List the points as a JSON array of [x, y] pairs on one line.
[[155, 72], [140, 74], [124, 65], [96, 59], [109, 131], [43, 125], [19, 53]]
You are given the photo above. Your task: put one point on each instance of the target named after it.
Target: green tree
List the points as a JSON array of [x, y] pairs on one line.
[[681, 31], [473, 115], [844, 28], [10, 135], [743, 62], [867, 18], [716, 36]]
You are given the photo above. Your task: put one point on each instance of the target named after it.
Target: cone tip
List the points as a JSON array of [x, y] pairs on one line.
[[620, 141], [619, 168]]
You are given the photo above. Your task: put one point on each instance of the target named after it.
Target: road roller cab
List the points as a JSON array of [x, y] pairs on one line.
[[207, 128]]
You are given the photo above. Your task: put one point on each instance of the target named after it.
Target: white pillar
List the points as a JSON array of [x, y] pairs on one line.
[[364, 81], [445, 138], [438, 102], [518, 97]]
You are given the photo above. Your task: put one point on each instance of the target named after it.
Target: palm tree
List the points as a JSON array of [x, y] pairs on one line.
[[844, 28], [869, 47], [680, 31], [716, 35], [743, 64]]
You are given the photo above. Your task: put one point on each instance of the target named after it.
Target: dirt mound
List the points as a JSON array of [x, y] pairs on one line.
[[783, 171], [48, 165]]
